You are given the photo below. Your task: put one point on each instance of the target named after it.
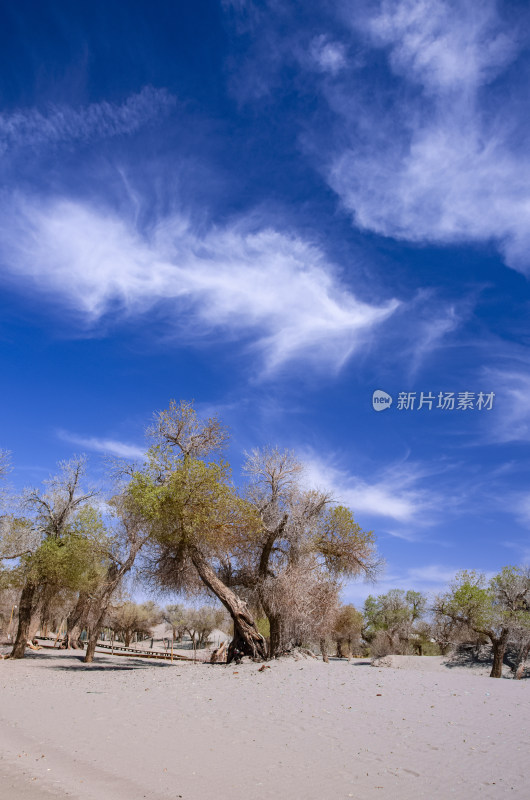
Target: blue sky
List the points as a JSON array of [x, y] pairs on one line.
[[276, 209]]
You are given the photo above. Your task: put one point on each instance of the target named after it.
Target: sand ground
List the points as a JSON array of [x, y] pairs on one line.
[[129, 729]]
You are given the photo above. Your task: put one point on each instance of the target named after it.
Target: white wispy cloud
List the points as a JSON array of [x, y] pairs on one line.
[[522, 508], [100, 445], [396, 495], [279, 289], [432, 321], [33, 128], [442, 162], [327, 55], [431, 579], [444, 45], [431, 573], [511, 423]]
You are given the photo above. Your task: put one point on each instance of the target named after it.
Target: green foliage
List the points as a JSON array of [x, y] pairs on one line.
[[73, 559], [196, 504], [469, 600], [495, 609], [342, 543], [394, 622], [392, 610]]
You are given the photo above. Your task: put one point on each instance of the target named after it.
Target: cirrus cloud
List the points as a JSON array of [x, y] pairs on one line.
[[278, 290], [439, 159], [33, 128]]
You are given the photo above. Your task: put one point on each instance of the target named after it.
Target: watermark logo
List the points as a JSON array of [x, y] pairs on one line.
[[427, 401], [381, 400]]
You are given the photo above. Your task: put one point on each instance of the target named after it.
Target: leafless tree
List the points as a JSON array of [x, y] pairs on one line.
[[200, 622], [175, 615], [128, 618], [302, 533], [347, 630], [178, 426]]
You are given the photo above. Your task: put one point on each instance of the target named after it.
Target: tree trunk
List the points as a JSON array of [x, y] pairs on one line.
[[247, 640], [323, 650], [499, 647], [127, 637], [100, 604], [26, 609], [276, 639], [76, 621], [91, 646], [94, 629], [340, 653], [34, 626], [46, 601], [522, 655]]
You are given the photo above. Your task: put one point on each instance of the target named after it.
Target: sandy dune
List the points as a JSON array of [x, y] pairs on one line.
[[127, 729]]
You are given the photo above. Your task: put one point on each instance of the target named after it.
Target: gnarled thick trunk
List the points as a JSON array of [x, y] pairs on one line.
[[26, 610], [499, 648], [247, 640]]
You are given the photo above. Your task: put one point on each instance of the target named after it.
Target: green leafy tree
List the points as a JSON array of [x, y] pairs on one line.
[[52, 544], [495, 610], [194, 515], [392, 620]]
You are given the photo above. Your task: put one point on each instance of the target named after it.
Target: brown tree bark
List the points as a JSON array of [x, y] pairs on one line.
[[276, 639], [76, 621], [323, 650], [499, 648], [521, 660], [91, 646], [26, 610], [46, 599], [247, 640]]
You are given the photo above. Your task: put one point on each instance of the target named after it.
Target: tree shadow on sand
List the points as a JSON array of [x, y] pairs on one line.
[[102, 664], [480, 658], [106, 665]]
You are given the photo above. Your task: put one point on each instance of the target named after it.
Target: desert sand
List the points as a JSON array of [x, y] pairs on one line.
[[129, 729]]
